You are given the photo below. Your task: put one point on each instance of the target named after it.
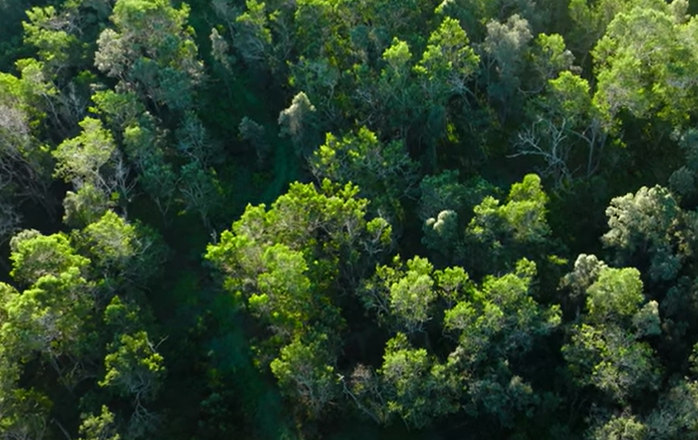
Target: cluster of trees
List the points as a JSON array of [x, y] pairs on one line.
[[294, 219]]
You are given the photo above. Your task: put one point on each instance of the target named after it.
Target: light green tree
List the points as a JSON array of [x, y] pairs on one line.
[[606, 348], [665, 89], [384, 172], [91, 158], [306, 371], [494, 326], [288, 265], [151, 50], [647, 227], [445, 71], [402, 296], [416, 386], [99, 427], [499, 234]]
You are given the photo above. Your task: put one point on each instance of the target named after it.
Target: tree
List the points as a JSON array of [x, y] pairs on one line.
[[84, 206], [200, 191], [59, 37], [585, 273], [254, 133], [402, 295], [448, 61], [550, 58], [665, 90], [623, 427], [389, 99], [439, 193], [288, 266], [441, 233], [195, 143], [590, 20], [500, 234], [648, 225], [35, 255], [122, 254], [134, 370], [447, 66], [327, 223], [99, 427], [502, 309], [25, 415], [49, 319], [284, 297], [682, 181], [675, 415], [151, 50], [25, 165], [606, 348], [495, 325], [299, 123], [615, 295], [133, 367], [51, 32], [492, 326], [305, 371], [92, 158], [505, 49], [252, 37], [416, 386], [613, 361], [385, 173], [566, 130]]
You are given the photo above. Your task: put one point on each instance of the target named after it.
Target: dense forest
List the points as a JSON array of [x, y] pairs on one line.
[[348, 219]]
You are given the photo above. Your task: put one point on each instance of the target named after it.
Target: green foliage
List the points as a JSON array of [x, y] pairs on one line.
[[647, 225], [566, 130], [49, 31], [80, 159], [303, 370], [133, 367], [252, 35], [384, 173], [200, 190], [25, 413], [605, 350], [622, 428], [662, 89], [616, 294], [151, 50], [84, 206], [404, 295], [121, 252], [504, 310], [675, 414], [414, 117], [446, 67], [35, 255], [288, 265], [502, 232], [417, 386], [99, 427], [506, 46], [494, 326], [439, 193]]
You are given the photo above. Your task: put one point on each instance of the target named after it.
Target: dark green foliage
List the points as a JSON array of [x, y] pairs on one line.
[[499, 240]]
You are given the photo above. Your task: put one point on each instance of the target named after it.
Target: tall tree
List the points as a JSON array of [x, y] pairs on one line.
[[151, 51]]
